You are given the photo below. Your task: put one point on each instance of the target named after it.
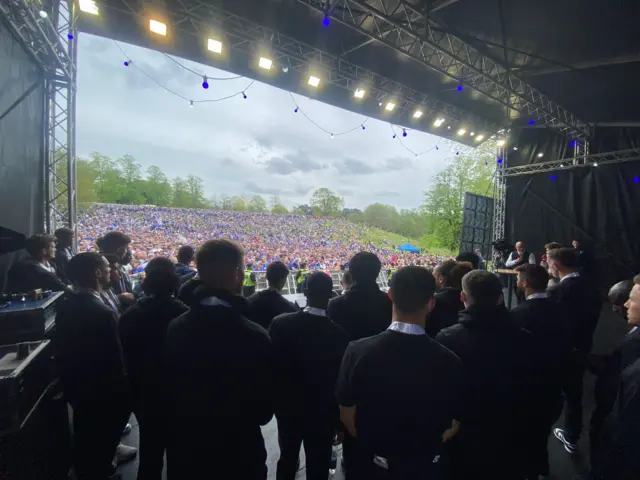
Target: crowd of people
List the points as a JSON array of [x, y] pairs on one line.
[[316, 242], [436, 379]]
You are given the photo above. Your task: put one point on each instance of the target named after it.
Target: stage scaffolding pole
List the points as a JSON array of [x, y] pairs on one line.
[[499, 204]]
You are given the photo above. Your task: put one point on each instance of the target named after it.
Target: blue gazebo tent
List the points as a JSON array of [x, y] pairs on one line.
[[407, 247]]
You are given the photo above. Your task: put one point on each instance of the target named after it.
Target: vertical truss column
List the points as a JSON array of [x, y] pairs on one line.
[[499, 203], [60, 155], [580, 151]]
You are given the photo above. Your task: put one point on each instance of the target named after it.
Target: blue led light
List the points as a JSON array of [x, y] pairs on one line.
[[573, 144], [70, 36], [532, 122], [499, 160], [244, 95], [326, 21], [394, 135], [457, 153], [126, 64], [296, 110], [459, 88], [404, 133], [636, 180], [363, 127], [553, 177]]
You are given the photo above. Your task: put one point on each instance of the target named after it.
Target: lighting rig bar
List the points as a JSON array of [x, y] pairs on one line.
[[404, 28], [598, 159], [196, 17]]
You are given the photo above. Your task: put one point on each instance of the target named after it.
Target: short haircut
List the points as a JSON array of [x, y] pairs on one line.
[[63, 232], [567, 257], [186, 254], [112, 258], [319, 285], [82, 267], [36, 243], [365, 267], [552, 246], [347, 277], [112, 241], [160, 278], [482, 288], [412, 288], [470, 257], [537, 277], [276, 273], [219, 253], [619, 293], [459, 270], [444, 269]]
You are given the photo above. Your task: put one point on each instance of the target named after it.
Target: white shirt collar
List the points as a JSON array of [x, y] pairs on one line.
[[635, 327], [537, 295], [408, 328], [214, 301], [570, 275], [315, 311]]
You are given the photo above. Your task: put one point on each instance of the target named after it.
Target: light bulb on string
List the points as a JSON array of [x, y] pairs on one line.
[[43, 14], [332, 137], [437, 148], [404, 132], [394, 135], [70, 36], [459, 88], [295, 110], [244, 95], [191, 103], [363, 127], [127, 63], [205, 83]]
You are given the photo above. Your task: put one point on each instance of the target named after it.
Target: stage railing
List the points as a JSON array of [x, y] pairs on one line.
[[291, 285]]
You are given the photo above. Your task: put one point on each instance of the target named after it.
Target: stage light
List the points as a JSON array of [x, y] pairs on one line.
[[448, 127], [390, 106], [70, 36], [314, 81], [438, 122], [285, 69], [636, 180], [158, 27], [326, 21], [515, 148], [532, 122], [417, 114], [126, 64], [462, 131], [265, 63], [359, 93], [332, 137], [214, 46], [595, 164], [501, 143], [553, 177], [88, 6], [540, 155], [499, 160], [43, 14], [473, 134], [479, 138], [459, 88]]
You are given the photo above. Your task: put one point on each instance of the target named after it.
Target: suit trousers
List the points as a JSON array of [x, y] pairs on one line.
[[317, 438], [97, 428], [572, 388], [153, 443]]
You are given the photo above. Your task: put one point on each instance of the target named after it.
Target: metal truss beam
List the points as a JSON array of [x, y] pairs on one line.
[[196, 17], [499, 205], [403, 27], [595, 160]]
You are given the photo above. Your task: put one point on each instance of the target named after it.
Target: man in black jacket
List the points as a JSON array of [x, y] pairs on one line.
[[551, 337], [448, 303], [308, 350], [581, 304], [363, 311], [64, 252], [38, 270], [393, 398], [92, 372], [498, 364], [220, 376], [267, 304], [117, 244], [142, 329], [185, 257]]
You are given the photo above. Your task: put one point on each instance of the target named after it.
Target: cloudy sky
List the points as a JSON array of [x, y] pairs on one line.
[[237, 146]]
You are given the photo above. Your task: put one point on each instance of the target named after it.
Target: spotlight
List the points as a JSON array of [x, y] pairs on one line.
[[158, 27], [265, 63], [359, 93], [205, 83], [88, 6], [473, 134], [540, 155], [448, 127], [285, 69], [390, 106], [501, 143], [404, 132], [462, 131], [479, 138], [515, 148], [379, 104], [499, 160], [43, 14], [314, 81], [417, 114], [460, 87], [553, 177], [636, 180], [532, 122], [70, 36], [214, 46], [326, 21], [595, 164], [438, 122]]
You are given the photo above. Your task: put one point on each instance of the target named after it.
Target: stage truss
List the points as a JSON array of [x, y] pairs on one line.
[[47, 31]]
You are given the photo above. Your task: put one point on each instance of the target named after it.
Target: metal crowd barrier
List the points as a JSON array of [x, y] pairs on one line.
[[290, 286]]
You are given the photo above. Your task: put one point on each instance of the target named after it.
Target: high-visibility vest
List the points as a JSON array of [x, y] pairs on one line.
[[247, 279], [303, 275], [391, 272]]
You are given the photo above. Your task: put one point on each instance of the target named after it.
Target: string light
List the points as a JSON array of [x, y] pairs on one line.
[[532, 122], [70, 36], [404, 132], [127, 63], [244, 95], [326, 21], [459, 88], [205, 83]]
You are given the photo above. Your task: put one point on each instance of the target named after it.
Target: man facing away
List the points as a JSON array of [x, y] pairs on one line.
[[396, 367], [220, 376], [308, 350], [267, 304], [581, 306], [92, 372], [448, 304], [186, 255], [64, 252]]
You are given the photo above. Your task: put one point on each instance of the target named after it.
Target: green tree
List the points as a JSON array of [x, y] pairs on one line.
[[382, 216], [238, 204], [158, 190], [279, 208], [85, 178], [326, 203], [108, 183], [195, 192], [302, 210], [257, 204], [132, 184], [180, 193]]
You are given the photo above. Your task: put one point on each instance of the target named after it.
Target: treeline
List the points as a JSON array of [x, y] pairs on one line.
[[436, 223]]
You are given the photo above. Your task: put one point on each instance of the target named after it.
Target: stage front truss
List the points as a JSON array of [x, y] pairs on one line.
[[47, 31]]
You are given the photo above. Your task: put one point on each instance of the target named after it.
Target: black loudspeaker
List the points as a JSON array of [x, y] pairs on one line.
[[477, 224]]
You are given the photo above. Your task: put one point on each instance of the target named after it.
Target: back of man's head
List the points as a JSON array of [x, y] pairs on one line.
[[160, 278], [37, 243], [459, 270], [84, 268], [442, 273], [412, 290], [64, 237], [365, 268], [482, 289], [319, 290], [470, 257], [552, 246], [565, 258], [532, 277], [619, 293], [186, 253], [277, 273], [220, 264], [113, 241]]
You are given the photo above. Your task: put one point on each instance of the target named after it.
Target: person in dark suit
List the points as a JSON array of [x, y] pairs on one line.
[[220, 376], [612, 366], [64, 252], [308, 350], [187, 291], [186, 255], [142, 330], [581, 304], [92, 372], [38, 270], [363, 311], [396, 369], [448, 303], [267, 304], [551, 337], [498, 364], [117, 244]]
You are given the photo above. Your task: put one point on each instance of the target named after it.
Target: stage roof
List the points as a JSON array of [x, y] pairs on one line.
[[566, 66]]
